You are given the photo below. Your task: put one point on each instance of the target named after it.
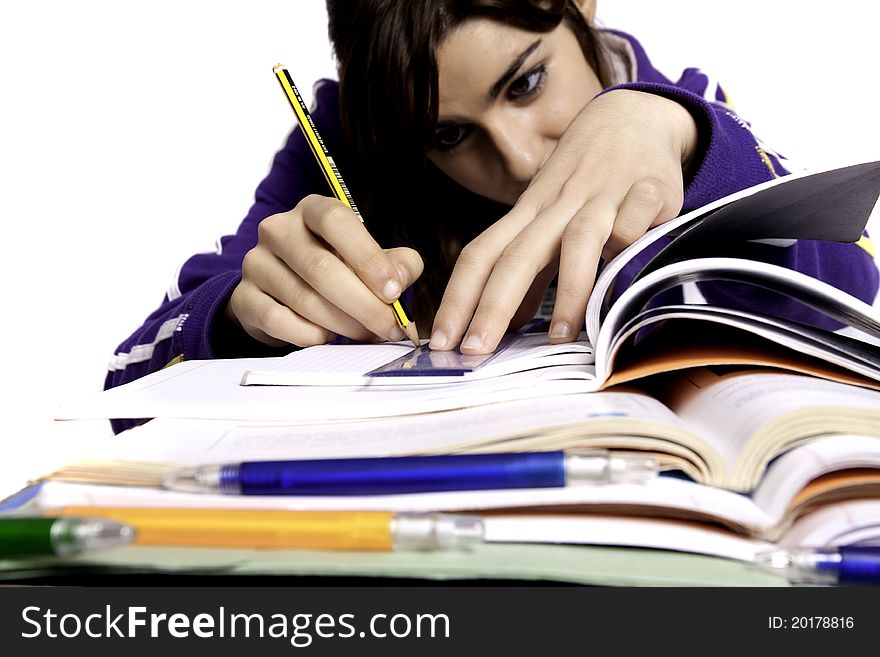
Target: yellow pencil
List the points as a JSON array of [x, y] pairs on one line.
[[331, 173], [276, 529]]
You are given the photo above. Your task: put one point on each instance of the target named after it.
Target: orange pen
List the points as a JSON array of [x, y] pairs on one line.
[[276, 529]]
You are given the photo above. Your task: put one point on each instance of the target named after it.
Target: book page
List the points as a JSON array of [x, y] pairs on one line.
[[325, 364], [751, 416], [833, 205], [787, 476], [349, 365], [785, 207], [604, 284], [607, 420], [709, 335], [211, 390], [187, 441], [664, 496], [816, 294], [847, 523], [829, 489], [608, 529]]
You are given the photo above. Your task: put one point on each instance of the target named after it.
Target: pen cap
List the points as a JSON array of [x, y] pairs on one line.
[[74, 535], [205, 478], [803, 565], [435, 531], [604, 467]]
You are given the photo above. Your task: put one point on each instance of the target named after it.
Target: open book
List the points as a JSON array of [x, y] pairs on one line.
[[835, 473], [633, 336], [833, 205], [718, 428], [774, 447]]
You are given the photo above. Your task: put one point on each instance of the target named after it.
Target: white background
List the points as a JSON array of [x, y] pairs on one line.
[[134, 133]]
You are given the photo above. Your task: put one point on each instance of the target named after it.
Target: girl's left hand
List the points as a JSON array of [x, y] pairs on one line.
[[615, 173]]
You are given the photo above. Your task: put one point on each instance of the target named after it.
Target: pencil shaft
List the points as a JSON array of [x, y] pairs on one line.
[[313, 138], [334, 178]]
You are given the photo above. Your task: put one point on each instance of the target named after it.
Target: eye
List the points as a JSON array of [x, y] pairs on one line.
[[528, 84], [448, 137]]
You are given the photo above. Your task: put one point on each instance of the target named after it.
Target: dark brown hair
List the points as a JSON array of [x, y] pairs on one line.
[[386, 51]]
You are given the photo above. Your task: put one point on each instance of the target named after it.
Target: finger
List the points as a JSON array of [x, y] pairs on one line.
[[647, 202], [328, 276], [470, 274], [534, 298], [278, 281], [408, 264], [587, 238], [516, 269], [268, 321], [344, 231], [580, 252]]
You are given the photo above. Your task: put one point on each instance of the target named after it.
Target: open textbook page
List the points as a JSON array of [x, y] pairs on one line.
[[616, 419], [718, 427], [828, 205], [750, 417], [844, 523], [364, 364], [831, 205], [210, 389], [628, 318]]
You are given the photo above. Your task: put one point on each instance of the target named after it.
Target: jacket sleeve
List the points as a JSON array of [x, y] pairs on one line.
[[189, 323], [730, 158]]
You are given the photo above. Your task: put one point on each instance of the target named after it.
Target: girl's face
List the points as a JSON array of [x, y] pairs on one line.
[[506, 97]]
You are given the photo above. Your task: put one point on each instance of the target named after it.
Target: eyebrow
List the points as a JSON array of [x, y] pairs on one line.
[[512, 70]]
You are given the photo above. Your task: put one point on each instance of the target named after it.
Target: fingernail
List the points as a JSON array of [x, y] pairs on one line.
[[397, 334], [391, 290], [438, 340], [473, 342], [559, 330]]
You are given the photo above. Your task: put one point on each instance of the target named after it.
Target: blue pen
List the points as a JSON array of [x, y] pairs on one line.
[[415, 474], [847, 566]]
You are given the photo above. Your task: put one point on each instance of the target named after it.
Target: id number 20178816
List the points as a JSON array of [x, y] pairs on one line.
[[811, 623]]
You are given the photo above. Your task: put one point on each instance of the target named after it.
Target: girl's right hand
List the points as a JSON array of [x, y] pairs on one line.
[[315, 273]]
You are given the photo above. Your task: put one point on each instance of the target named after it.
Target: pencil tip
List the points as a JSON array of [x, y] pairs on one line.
[[413, 334]]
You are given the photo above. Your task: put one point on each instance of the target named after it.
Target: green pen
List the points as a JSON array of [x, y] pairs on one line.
[[22, 536]]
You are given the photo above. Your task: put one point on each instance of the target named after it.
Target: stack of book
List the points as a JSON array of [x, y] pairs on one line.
[[766, 431]]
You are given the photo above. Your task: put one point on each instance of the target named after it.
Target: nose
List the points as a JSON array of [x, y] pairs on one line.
[[521, 148]]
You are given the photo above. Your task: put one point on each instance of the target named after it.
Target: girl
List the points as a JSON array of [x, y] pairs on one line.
[[496, 146]]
